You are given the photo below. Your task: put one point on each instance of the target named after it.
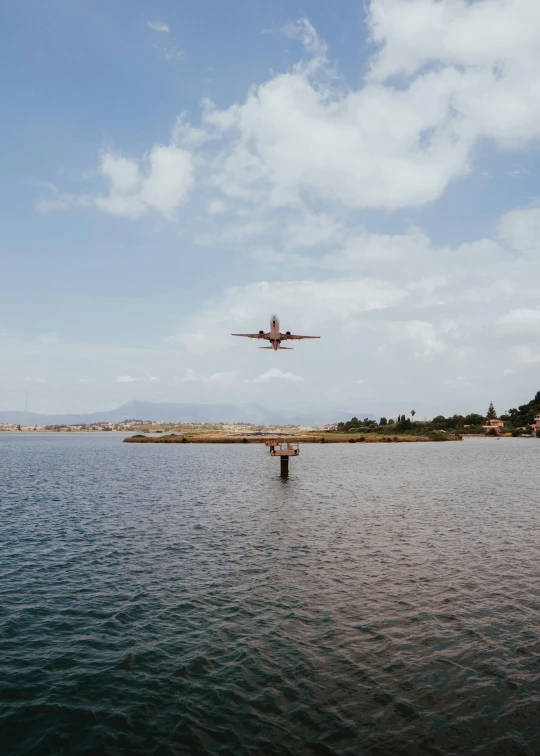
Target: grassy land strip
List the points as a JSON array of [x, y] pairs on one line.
[[312, 438]]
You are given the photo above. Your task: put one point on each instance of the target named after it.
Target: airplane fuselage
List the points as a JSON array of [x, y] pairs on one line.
[[275, 339], [274, 336]]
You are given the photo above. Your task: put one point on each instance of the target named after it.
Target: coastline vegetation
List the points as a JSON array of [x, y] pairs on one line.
[[515, 422]]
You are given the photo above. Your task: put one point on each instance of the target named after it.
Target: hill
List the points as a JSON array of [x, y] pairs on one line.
[[185, 412]]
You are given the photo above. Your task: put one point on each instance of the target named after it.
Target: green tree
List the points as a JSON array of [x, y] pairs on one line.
[[474, 419], [413, 413], [491, 414], [403, 422], [383, 421]]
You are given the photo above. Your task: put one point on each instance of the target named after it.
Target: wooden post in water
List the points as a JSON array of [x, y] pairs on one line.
[[283, 450]]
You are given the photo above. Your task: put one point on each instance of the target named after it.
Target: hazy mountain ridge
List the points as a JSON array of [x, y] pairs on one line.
[[186, 412]]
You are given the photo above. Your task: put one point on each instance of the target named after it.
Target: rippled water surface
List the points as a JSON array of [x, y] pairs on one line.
[[178, 599]]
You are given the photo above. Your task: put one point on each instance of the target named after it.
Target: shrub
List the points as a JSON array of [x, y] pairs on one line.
[[538, 433], [184, 440], [244, 440], [352, 440]]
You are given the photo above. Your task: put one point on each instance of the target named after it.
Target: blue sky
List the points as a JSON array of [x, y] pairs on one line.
[[176, 171]]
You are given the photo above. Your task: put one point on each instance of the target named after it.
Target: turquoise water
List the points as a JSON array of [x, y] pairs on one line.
[[178, 599]]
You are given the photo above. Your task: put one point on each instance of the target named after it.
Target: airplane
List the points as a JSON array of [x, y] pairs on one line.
[[274, 336]]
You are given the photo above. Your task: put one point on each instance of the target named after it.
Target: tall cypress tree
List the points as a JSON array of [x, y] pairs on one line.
[[491, 414]]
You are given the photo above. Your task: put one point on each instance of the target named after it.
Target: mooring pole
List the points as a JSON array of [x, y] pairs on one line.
[[284, 467]]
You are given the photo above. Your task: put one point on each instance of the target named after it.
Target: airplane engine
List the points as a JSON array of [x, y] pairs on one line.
[[287, 334], [261, 333]]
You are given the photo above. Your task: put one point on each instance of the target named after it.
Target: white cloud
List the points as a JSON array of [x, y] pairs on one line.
[[216, 378], [498, 290], [521, 320], [222, 377], [417, 32], [163, 186], [168, 52], [158, 26], [423, 335], [307, 304], [311, 230], [131, 379], [383, 145], [60, 200], [217, 207], [520, 229], [357, 249], [275, 374], [281, 176], [303, 31], [443, 75]]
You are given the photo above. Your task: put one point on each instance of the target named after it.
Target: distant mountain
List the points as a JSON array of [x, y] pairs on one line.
[[188, 413]]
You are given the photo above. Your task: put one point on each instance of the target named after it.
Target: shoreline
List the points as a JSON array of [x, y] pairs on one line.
[[299, 439]]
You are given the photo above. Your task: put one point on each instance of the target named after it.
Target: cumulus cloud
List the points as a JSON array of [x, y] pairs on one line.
[[280, 177], [275, 374], [443, 75], [521, 320], [162, 184], [298, 136], [520, 228], [159, 26]]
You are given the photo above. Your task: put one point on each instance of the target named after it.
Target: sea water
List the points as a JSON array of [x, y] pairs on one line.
[[179, 599]]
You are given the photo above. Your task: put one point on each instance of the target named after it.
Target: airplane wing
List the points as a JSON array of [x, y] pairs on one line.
[[285, 337], [252, 335]]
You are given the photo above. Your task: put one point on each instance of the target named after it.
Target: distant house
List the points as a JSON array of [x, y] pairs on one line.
[[493, 425], [536, 424]]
